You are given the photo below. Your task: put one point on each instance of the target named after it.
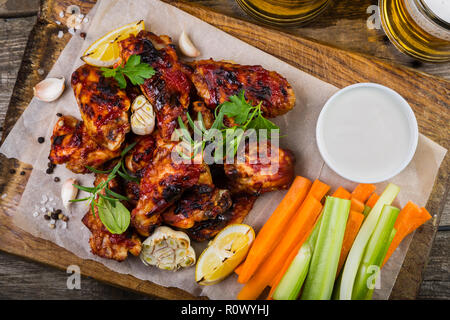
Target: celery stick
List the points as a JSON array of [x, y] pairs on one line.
[[375, 252], [366, 211], [324, 262], [291, 283], [356, 252], [386, 248]]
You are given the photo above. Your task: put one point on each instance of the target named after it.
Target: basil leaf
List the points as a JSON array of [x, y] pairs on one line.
[[114, 215]]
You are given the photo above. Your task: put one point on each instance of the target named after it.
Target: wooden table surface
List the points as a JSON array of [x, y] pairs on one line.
[[344, 25]]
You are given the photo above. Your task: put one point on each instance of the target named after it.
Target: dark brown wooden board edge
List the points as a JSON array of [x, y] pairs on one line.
[[27, 76]]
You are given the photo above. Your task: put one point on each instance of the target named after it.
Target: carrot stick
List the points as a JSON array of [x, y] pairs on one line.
[[409, 219], [363, 191], [286, 264], [354, 222], [372, 200], [319, 189], [342, 194], [297, 232], [272, 230], [356, 205]]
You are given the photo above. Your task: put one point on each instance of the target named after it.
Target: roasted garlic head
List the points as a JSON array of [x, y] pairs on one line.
[[168, 250]]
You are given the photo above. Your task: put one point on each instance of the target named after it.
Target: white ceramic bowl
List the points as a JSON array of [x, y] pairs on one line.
[[399, 112]]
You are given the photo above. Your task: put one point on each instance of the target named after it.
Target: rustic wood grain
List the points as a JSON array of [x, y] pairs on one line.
[[43, 54]]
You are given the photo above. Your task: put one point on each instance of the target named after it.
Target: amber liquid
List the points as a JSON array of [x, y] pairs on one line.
[[284, 12], [417, 36]]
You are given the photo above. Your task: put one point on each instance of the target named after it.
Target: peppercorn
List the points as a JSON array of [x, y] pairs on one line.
[[59, 114], [41, 139], [22, 173], [51, 225], [56, 179], [58, 211], [12, 171], [65, 218], [46, 217], [60, 216], [83, 35], [49, 171], [54, 216]]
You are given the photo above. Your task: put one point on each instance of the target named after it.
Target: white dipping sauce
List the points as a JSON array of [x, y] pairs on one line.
[[367, 133]]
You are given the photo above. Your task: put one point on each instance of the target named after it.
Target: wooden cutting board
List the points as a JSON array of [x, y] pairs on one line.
[[429, 97]]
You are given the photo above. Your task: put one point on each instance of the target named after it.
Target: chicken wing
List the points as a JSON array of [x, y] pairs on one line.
[[261, 172], [215, 81], [102, 242], [198, 204], [168, 90], [71, 144], [162, 184], [141, 155], [206, 229], [103, 106]]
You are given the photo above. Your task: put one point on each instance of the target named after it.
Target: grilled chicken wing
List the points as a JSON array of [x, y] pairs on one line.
[[102, 242], [71, 144], [103, 106], [162, 184], [168, 90], [197, 204], [138, 158], [215, 81], [261, 173], [206, 229]]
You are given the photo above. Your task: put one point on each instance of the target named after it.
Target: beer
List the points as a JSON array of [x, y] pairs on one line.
[[283, 12], [420, 28]]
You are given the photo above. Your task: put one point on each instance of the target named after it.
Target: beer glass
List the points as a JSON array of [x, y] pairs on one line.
[[283, 12], [420, 28]]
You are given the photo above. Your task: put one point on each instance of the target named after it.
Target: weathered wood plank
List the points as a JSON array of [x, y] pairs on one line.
[[13, 36], [18, 8], [23, 279]]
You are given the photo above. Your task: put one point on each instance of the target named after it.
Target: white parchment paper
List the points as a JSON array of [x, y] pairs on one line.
[[416, 181]]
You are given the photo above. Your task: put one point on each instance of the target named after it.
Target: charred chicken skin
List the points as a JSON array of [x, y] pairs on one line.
[[200, 203], [215, 81], [259, 174], [103, 106], [102, 242], [168, 90], [138, 158], [71, 144], [206, 229], [162, 184]]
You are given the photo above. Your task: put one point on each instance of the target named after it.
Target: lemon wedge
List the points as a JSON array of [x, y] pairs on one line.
[[224, 254], [104, 52]]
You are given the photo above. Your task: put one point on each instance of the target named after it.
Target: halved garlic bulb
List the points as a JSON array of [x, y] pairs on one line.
[[49, 89], [187, 47], [68, 192], [168, 249], [142, 117]]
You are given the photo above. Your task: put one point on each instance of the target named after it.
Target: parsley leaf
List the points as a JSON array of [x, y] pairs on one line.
[[245, 116], [135, 71]]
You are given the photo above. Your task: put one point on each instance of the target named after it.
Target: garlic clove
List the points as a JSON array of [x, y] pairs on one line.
[[49, 89], [142, 117], [68, 192], [187, 47]]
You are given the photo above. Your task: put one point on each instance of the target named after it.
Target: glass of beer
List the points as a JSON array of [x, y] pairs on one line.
[[284, 12], [420, 28]]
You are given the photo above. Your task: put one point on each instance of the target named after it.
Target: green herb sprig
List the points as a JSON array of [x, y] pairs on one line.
[[113, 214], [244, 115], [136, 71]]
